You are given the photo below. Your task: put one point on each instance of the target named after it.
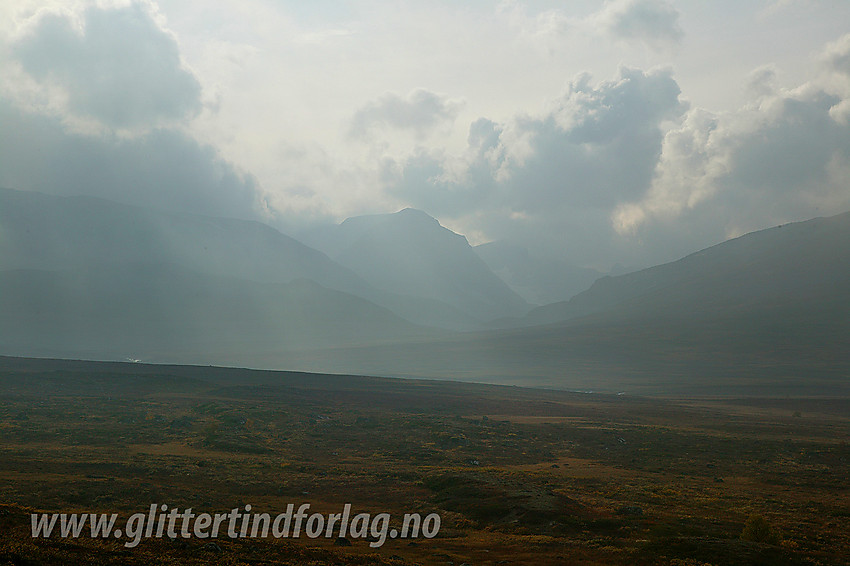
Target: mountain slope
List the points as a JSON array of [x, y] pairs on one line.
[[537, 280], [410, 253], [39, 231], [80, 274], [167, 312], [797, 262], [764, 314]]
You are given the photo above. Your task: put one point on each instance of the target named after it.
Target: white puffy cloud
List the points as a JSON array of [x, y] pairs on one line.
[[762, 81], [546, 28], [624, 171], [837, 55], [541, 178], [653, 23], [783, 157], [116, 65]]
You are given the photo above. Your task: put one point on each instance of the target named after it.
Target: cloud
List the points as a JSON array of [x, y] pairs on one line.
[[619, 169], [534, 177], [119, 128], [119, 67], [837, 55], [545, 28], [625, 171], [598, 144], [652, 22], [762, 81], [418, 112], [785, 156], [163, 168]]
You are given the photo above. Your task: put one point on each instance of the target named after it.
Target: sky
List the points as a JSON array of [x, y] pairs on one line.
[[625, 132]]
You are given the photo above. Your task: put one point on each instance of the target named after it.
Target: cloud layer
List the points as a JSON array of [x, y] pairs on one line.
[[785, 156], [452, 109], [120, 70], [120, 67], [626, 170], [163, 168], [549, 178]]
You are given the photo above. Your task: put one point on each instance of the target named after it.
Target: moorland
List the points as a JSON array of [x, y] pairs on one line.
[[517, 475]]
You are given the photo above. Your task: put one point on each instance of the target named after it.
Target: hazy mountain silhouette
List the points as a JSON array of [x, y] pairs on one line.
[[80, 274], [765, 314], [59, 233], [538, 280], [166, 312], [410, 253], [802, 262]]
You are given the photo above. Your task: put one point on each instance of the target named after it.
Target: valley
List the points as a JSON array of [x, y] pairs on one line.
[[517, 475]]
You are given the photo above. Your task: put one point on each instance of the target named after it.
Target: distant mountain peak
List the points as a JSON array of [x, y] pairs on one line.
[[406, 215], [410, 253], [415, 211], [414, 214]]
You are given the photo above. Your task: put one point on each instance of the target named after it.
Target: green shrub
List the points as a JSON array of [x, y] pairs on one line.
[[757, 529]]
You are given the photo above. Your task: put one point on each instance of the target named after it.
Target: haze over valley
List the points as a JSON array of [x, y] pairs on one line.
[[563, 282], [399, 294]]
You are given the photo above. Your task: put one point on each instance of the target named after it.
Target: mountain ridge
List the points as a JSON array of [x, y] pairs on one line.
[[538, 280], [761, 255], [763, 314], [409, 252], [43, 231], [166, 311]]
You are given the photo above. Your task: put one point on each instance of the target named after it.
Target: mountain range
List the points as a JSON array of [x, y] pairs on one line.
[[538, 279], [409, 252], [801, 263], [57, 234], [399, 294], [767, 313]]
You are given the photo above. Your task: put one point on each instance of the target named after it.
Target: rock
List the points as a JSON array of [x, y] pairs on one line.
[[211, 547]]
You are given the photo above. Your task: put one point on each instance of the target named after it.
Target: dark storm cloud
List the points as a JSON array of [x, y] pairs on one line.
[[120, 68]]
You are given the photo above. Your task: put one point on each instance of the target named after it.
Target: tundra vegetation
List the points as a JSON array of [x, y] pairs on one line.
[[518, 475]]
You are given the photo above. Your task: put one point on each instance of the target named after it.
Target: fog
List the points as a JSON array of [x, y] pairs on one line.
[[180, 181]]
